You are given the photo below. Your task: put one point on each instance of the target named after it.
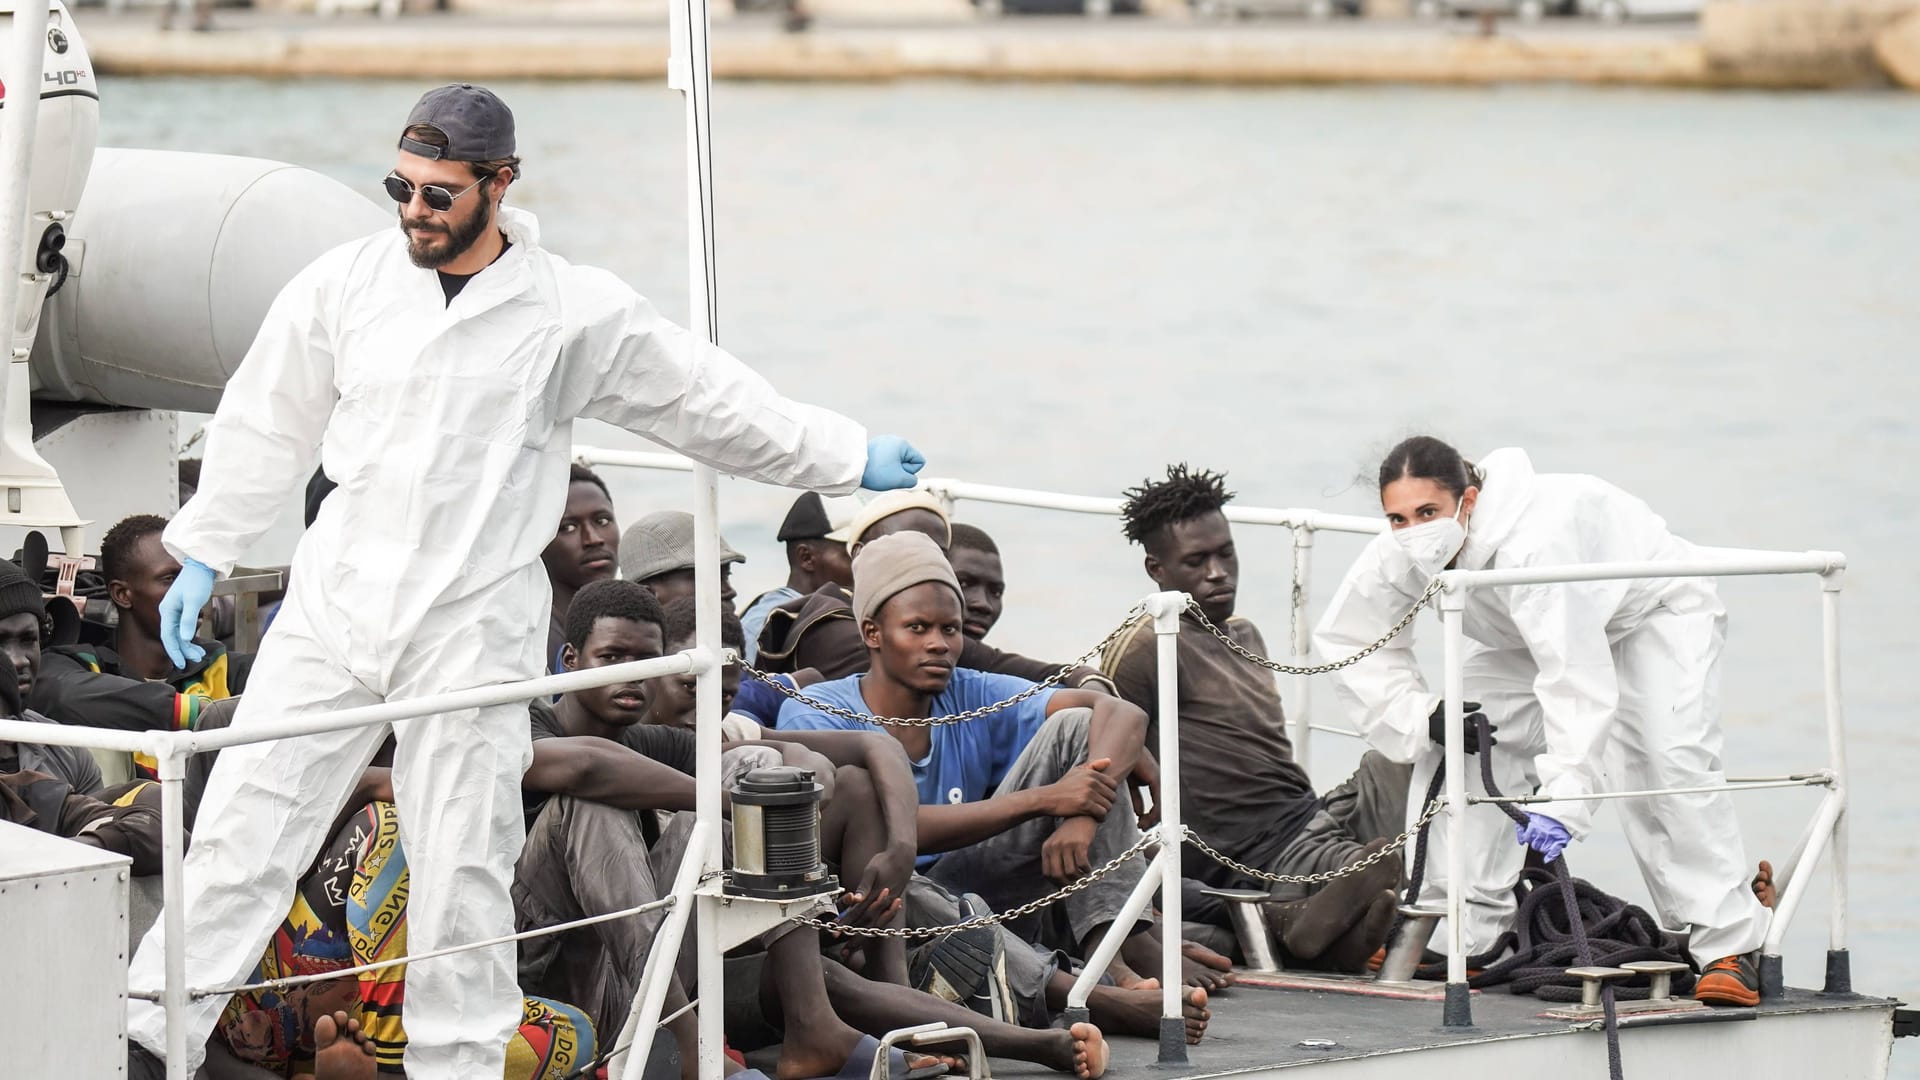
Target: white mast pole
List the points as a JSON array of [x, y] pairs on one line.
[[689, 70]]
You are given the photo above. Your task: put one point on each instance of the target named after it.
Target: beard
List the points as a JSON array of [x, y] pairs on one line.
[[433, 242]]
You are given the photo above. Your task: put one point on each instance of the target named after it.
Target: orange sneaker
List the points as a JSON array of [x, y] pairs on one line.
[[1730, 980]]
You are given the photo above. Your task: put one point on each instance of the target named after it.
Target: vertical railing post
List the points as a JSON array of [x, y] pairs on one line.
[[172, 757], [1300, 709], [689, 70], [1166, 609], [1839, 973], [706, 554], [1459, 1003]]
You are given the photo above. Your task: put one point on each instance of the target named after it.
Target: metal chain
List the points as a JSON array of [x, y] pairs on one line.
[[1393, 848], [1320, 669], [1147, 839], [1049, 683]]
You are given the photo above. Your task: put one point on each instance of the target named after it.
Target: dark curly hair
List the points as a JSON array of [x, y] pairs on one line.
[[117, 547], [1185, 494], [580, 474], [680, 620], [611, 600]]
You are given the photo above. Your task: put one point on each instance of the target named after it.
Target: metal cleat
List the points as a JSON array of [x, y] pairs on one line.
[[1404, 951], [1659, 975], [1593, 978], [1250, 926]]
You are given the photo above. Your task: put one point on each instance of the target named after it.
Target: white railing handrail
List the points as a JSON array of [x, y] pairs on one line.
[[692, 661], [1035, 498], [1724, 562], [1827, 832]]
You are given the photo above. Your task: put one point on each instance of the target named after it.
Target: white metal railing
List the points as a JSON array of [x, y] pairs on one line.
[[1164, 608], [1301, 523], [172, 748], [1826, 833]]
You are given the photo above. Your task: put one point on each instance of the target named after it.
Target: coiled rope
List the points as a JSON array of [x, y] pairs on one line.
[[1562, 922]]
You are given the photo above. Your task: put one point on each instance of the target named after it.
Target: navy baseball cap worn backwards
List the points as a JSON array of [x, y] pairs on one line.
[[478, 125]]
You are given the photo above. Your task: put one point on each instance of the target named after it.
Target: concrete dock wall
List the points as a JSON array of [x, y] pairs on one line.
[[1766, 43]]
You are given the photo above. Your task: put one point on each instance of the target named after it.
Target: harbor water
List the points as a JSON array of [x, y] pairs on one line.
[[1705, 298]]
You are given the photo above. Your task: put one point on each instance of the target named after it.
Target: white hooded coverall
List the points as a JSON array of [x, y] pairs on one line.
[[448, 428], [1593, 686]]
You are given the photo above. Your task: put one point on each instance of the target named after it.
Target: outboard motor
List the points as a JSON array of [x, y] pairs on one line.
[[49, 119]]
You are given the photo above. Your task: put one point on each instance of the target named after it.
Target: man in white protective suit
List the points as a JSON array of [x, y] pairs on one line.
[[437, 369], [1591, 686]]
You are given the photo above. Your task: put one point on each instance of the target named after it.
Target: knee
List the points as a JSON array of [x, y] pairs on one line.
[[1072, 726], [571, 817], [852, 786], [1381, 771]]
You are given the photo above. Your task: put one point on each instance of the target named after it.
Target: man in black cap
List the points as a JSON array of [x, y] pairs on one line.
[[816, 555], [23, 625], [437, 370]]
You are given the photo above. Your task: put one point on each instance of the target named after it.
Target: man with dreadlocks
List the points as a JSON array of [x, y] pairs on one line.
[[1242, 792]]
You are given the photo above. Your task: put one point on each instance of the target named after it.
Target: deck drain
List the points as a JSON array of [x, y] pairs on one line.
[[1318, 1044]]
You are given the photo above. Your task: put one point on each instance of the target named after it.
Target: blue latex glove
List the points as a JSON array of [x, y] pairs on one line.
[[1544, 835], [891, 463], [180, 611]]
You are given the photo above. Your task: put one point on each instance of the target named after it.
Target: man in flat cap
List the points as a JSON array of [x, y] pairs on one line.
[[436, 370]]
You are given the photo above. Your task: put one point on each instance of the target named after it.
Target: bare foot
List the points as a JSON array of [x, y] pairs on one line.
[[1142, 952], [1137, 1012], [1125, 977], [1089, 1052], [341, 1050], [953, 1063], [807, 1054], [1763, 888], [1204, 956]]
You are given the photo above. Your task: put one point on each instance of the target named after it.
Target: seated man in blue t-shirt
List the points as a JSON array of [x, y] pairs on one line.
[[1011, 803]]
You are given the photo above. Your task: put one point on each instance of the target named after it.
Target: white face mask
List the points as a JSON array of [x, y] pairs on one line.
[[1433, 544]]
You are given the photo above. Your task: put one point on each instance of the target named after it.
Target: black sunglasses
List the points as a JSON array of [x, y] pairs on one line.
[[438, 199]]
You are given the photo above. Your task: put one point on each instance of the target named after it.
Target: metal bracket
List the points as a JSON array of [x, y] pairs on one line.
[[743, 918]]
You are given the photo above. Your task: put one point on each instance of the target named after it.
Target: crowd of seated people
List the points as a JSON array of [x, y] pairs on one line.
[[884, 612]]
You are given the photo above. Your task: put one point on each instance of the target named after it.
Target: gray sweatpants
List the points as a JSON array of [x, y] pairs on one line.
[[583, 858], [1005, 869], [1370, 805]]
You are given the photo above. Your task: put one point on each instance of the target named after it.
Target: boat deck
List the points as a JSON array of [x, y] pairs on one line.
[[1256, 1029]]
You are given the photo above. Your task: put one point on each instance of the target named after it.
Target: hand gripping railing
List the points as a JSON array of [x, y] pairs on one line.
[[1827, 831], [1301, 524]]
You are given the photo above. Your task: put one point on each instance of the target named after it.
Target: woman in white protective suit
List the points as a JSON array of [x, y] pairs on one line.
[[1591, 686], [437, 369]]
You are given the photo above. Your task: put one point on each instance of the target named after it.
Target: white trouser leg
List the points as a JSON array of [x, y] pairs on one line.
[[457, 781], [1501, 681], [1668, 734], [262, 819]]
